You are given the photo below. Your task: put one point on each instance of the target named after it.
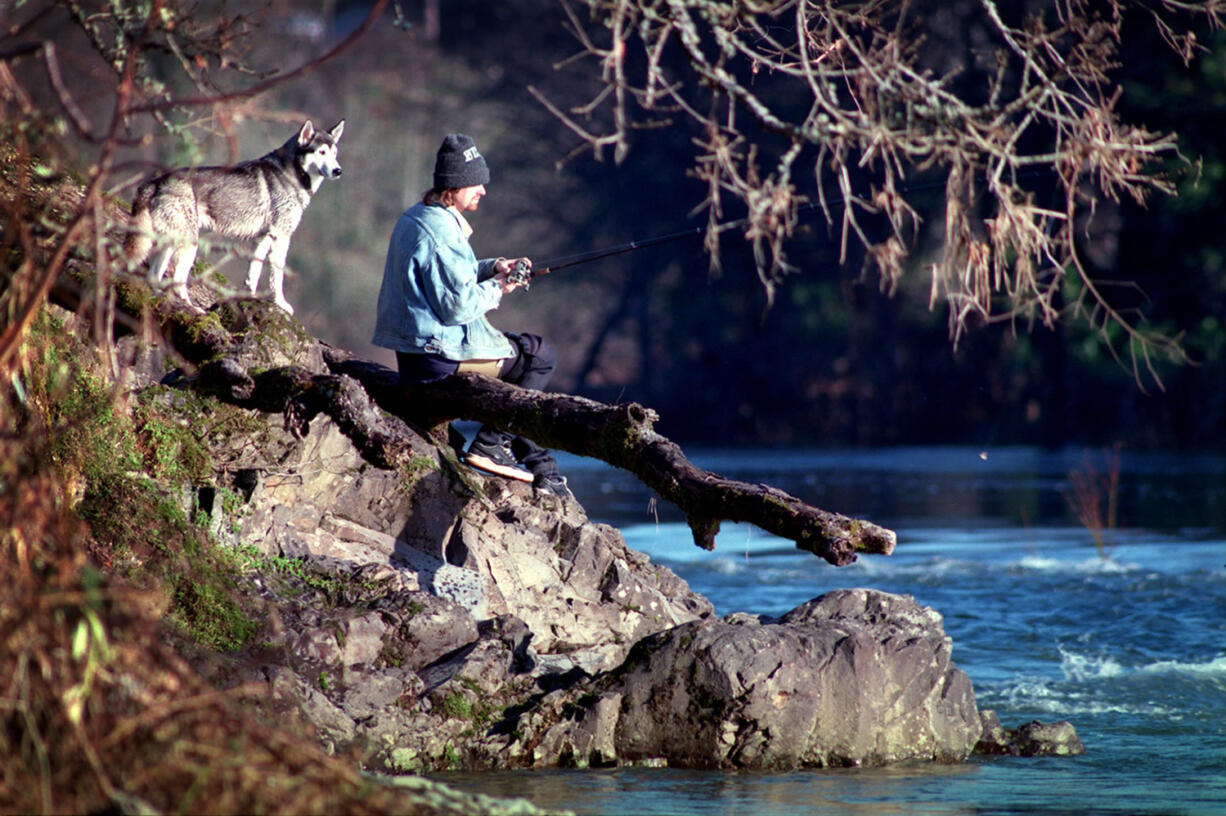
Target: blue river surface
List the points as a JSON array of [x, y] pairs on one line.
[[1123, 634]]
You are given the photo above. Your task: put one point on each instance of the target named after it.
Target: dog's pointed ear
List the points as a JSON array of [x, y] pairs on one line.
[[336, 132], [306, 134]]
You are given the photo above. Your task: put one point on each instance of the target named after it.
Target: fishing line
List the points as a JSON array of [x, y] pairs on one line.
[[521, 274]]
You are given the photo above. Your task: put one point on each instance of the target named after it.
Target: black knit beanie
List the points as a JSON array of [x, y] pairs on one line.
[[459, 164]]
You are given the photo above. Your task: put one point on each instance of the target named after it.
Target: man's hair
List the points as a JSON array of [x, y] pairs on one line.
[[442, 196]]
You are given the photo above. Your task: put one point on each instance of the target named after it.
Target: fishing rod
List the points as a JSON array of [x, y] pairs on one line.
[[521, 274]]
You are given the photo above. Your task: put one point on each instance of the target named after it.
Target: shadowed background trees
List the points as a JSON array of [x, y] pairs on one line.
[[825, 357]]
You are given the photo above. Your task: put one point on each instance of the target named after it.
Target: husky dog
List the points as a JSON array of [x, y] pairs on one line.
[[263, 198]]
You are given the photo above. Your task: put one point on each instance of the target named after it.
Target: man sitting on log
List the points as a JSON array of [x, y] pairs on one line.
[[433, 303]]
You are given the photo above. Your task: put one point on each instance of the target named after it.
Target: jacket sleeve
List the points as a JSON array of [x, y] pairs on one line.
[[485, 268], [449, 283]]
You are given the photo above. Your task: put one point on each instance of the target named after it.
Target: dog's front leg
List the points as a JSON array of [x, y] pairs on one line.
[[256, 267], [185, 258], [276, 260]]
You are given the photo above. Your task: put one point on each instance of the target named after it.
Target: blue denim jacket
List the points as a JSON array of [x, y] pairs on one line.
[[433, 298]]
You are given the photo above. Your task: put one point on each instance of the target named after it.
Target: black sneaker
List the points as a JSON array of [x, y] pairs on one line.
[[553, 484], [496, 459]]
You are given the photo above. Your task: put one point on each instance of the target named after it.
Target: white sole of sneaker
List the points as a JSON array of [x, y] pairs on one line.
[[480, 462]]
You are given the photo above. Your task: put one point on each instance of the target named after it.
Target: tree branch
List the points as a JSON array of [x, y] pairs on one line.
[[860, 87]]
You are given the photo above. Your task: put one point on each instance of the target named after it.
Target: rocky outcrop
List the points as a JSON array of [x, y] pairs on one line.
[[854, 677], [424, 616], [414, 609], [490, 546], [437, 618], [462, 617]]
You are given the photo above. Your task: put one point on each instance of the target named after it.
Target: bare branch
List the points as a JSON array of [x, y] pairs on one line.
[[853, 84], [258, 88]]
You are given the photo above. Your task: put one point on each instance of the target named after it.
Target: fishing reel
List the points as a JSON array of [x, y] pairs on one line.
[[520, 274]]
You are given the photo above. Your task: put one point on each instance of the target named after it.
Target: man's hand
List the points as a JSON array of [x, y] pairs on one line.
[[502, 272]]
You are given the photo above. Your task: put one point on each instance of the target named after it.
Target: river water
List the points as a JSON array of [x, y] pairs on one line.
[[1124, 637]]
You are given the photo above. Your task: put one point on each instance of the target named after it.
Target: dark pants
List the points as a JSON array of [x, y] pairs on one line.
[[531, 367]]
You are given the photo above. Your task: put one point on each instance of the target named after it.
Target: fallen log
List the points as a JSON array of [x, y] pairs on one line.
[[622, 435]]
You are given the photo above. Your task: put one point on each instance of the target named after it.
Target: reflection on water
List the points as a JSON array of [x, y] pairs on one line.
[[902, 789], [981, 786]]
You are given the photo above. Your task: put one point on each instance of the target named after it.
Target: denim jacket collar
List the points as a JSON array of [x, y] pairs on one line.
[[465, 227]]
